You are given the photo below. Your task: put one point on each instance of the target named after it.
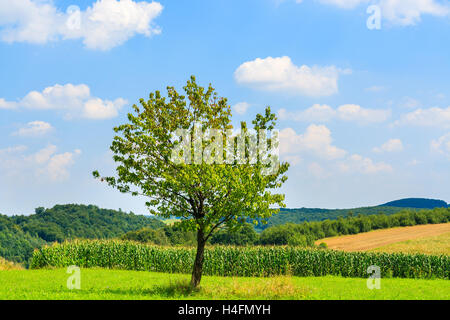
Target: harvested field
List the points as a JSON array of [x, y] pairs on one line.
[[379, 238], [434, 245]]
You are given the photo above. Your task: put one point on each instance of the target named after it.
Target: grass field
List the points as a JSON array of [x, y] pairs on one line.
[[428, 245], [116, 284], [383, 238]]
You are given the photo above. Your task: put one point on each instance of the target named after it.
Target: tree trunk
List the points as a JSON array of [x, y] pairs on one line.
[[198, 264]]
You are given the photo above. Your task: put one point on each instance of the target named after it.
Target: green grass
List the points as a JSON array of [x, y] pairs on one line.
[[118, 284]]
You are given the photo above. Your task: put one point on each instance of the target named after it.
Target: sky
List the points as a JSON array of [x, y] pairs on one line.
[[360, 89]]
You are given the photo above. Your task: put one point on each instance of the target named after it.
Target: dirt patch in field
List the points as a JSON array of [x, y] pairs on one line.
[[378, 238]]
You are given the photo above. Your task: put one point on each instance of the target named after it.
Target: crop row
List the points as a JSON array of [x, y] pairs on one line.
[[239, 261]]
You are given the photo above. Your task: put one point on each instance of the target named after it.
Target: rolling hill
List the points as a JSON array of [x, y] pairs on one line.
[[308, 214], [19, 235], [419, 203]]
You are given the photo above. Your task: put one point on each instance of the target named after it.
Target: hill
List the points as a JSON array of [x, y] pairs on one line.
[[419, 203], [380, 238], [308, 214], [19, 235]]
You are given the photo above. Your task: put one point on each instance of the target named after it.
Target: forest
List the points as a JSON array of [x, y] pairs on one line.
[[19, 235]]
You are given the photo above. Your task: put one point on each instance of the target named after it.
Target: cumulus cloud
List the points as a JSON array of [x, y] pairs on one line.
[[45, 163], [316, 140], [102, 26], [359, 164], [325, 113], [409, 12], [57, 167], [75, 101], [316, 145], [392, 145], [281, 74], [7, 104], [432, 117], [442, 145], [398, 12], [241, 108], [345, 4], [34, 129]]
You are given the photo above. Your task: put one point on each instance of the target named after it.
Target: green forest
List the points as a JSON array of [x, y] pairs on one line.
[[19, 235], [300, 234]]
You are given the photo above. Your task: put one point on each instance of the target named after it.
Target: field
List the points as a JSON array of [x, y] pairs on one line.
[[382, 238], [427, 245], [251, 261], [125, 285]]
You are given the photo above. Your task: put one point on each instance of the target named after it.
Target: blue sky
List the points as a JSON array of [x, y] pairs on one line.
[[364, 113]]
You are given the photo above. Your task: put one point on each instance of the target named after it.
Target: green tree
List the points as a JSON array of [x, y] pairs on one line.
[[206, 195]]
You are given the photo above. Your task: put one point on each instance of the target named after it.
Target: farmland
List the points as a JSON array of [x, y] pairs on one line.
[[239, 261], [428, 245], [381, 238], [126, 285]]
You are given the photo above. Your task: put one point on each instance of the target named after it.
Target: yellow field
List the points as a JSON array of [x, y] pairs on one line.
[[433, 239], [429, 245]]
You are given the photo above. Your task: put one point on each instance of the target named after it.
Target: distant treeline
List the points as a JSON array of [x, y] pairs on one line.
[[19, 235], [307, 214], [303, 234]]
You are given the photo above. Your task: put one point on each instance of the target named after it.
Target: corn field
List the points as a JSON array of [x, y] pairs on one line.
[[239, 261]]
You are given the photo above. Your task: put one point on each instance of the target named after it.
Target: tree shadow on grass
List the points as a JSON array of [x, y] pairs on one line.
[[275, 288], [178, 289]]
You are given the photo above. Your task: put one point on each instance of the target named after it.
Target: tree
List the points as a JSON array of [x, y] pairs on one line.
[[206, 182]]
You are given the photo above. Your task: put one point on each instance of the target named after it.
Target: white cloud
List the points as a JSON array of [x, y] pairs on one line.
[[316, 113], [99, 109], [104, 25], [393, 145], [352, 112], [410, 103], [360, 164], [442, 145], [280, 74], [398, 12], [348, 112], [34, 129], [45, 163], [316, 140], [6, 104], [345, 4], [316, 143], [43, 155], [409, 12], [241, 108], [74, 100], [292, 159], [57, 167], [432, 117]]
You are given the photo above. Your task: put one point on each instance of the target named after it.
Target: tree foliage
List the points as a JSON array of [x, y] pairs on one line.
[[206, 196]]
